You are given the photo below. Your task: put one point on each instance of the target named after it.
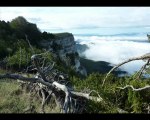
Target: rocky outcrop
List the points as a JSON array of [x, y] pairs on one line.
[[81, 48], [148, 37], [65, 47]]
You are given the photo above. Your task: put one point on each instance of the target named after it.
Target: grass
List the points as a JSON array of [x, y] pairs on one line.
[[11, 98], [15, 100]]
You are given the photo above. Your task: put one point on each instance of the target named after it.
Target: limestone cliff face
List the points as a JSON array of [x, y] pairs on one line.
[[65, 47]]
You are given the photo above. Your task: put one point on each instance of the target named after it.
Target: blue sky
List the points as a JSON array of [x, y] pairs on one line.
[[83, 19]]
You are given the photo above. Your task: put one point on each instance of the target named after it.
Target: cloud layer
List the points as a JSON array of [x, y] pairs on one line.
[[116, 49]]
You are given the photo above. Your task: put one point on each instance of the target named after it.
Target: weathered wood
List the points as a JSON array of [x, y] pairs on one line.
[[142, 69], [57, 86], [143, 57], [135, 89]]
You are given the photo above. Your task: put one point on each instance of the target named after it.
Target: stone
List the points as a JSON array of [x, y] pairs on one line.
[[65, 48]]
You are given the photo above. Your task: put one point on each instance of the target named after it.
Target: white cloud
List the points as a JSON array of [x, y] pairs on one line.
[[69, 17], [115, 50]]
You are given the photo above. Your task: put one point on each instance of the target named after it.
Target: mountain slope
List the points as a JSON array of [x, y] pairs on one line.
[[99, 66]]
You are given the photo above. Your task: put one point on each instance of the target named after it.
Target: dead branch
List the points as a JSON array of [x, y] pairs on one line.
[[43, 101], [47, 79], [34, 58], [135, 89], [32, 50], [121, 110], [143, 57], [142, 69], [87, 96], [57, 86]]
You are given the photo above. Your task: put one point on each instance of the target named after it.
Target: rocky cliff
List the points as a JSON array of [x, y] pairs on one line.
[[148, 37], [64, 46]]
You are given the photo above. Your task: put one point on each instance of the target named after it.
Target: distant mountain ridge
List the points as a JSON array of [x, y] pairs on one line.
[[99, 66], [120, 34]]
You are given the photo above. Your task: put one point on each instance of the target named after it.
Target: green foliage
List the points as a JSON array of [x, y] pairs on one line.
[[133, 101], [15, 30], [21, 58], [5, 30], [48, 56], [19, 23], [3, 50], [114, 97], [22, 27], [47, 36], [13, 33]]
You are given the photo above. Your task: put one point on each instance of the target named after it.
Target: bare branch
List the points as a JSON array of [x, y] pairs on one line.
[[35, 62], [20, 77], [43, 101], [55, 85], [32, 50], [85, 95], [121, 110], [49, 68], [134, 89], [143, 68], [96, 93], [143, 57], [43, 63]]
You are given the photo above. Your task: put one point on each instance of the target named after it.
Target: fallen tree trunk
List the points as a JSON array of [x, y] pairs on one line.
[[46, 80], [54, 85]]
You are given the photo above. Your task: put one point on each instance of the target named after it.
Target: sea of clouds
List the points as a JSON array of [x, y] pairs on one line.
[[116, 49]]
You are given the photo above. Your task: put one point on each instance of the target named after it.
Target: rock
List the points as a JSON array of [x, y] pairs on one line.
[[148, 37], [81, 48], [64, 46]]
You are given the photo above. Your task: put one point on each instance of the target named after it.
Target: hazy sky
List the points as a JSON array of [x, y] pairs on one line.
[[60, 18]]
